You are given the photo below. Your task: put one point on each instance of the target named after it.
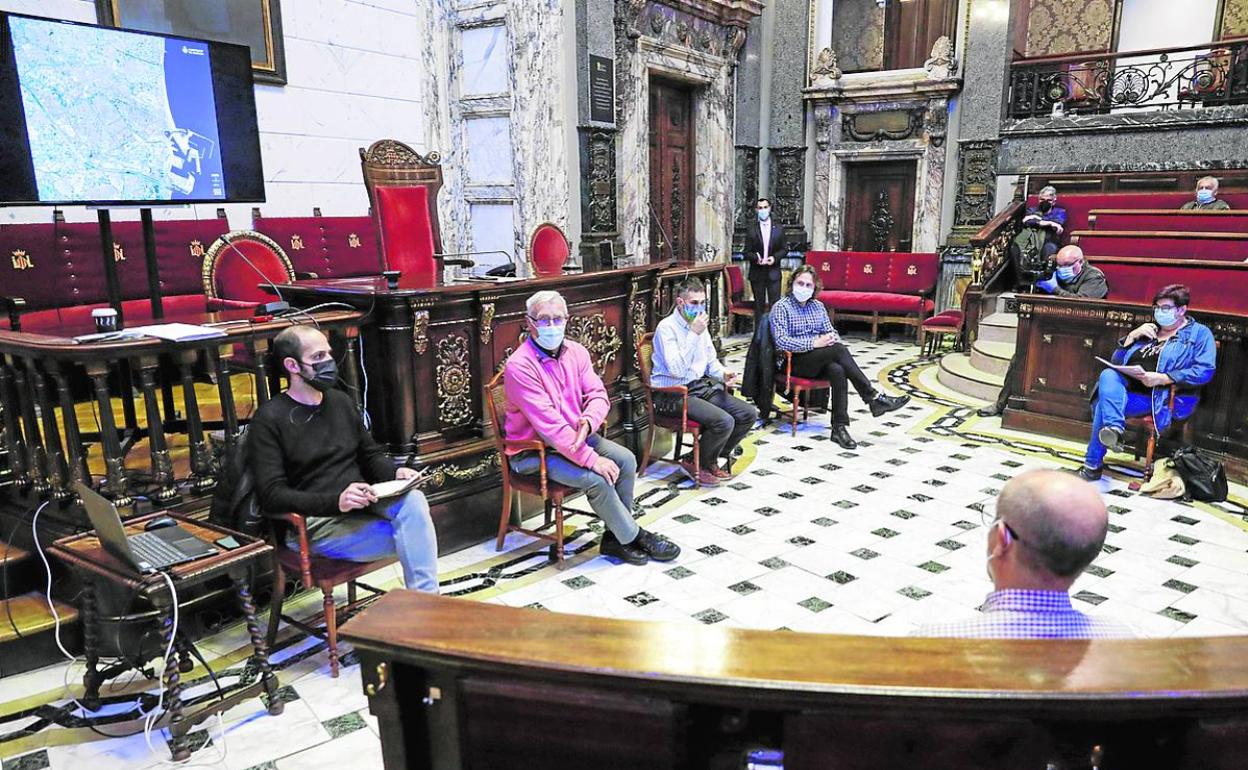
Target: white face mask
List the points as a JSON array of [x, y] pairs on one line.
[[803, 293]]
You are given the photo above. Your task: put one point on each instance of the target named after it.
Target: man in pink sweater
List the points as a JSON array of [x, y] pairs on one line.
[[554, 395]]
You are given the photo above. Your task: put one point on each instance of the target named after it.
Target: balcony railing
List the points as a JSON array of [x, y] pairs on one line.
[[1207, 75]]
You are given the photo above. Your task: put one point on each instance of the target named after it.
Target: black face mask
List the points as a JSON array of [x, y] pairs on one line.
[[324, 374], [1045, 206]]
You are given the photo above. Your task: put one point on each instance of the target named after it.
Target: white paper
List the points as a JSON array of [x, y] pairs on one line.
[[178, 332], [1130, 371]]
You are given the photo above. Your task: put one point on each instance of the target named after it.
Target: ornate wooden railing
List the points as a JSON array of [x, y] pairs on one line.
[[990, 248], [1207, 75]]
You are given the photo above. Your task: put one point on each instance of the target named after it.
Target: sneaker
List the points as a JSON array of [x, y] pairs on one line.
[[1110, 437], [708, 478], [992, 410], [882, 404], [613, 549], [1089, 474], [840, 434], [655, 546]]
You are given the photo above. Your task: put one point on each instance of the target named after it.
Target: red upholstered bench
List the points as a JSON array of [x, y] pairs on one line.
[[1167, 244], [1216, 286], [1172, 220], [330, 247], [888, 287], [1079, 206]]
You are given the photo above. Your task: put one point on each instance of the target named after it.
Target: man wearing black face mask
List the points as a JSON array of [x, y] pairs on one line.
[[310, 453], [1044, 226]]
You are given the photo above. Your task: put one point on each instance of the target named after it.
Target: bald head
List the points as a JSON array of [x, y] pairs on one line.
[[1068, 255], [1060, 520]]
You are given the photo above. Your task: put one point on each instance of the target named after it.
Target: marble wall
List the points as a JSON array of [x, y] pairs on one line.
[[353, 77]]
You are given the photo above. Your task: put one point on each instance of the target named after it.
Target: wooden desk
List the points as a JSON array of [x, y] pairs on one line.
[[461, 684], [84, 554], [430, 349]]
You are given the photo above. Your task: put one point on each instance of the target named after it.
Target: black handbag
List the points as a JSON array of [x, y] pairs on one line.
[[1203, 476]]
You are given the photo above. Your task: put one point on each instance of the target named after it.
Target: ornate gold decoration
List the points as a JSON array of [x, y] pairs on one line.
[[1087, 342], [1042, 381], [420, 331], [601, 339], [1083, 387], [637, 311], [912, 270], [119, 254], [454, 380], [391, 153], [353, 240], [296, 242], [197, 249], [487, 323], [868, 269], [438, 476], [1048, 339], [22, 260]]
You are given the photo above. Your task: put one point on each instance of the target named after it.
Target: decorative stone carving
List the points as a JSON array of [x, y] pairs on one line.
[[936, 123], [788, 182], [599, 193], [454, 380], [823, 130], [977, 183], [601, 339], [747, 187], [826, 72], [734, 38], [881, 223], [895, 125], [487, 322], [941, 64]]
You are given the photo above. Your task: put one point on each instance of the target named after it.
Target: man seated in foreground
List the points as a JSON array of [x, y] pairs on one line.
[[1207, 197], [1049, 526], [685, 355], [554, 395], [311, 454]]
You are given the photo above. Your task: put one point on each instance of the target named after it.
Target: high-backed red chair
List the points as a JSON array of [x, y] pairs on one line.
[[403, 191], [230, 282], [549, 250], [678, 424], [738, 306], [795, 386]]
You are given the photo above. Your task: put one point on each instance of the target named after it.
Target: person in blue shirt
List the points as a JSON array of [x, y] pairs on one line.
[[1174, 349], [1032, 250]]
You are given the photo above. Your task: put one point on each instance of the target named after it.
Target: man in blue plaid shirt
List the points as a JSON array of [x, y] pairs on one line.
[[1048, 529]]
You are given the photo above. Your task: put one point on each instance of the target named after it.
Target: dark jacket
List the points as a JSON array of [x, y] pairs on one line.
[[1089, 284], [758, 383], [777, 247]]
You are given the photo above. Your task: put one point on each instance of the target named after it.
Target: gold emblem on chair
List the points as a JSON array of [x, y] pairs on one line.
[[296, 243], [353, 241], [825, 267], [21, 260], [197, 249], [119, 254], [912, 270], [868, 269]]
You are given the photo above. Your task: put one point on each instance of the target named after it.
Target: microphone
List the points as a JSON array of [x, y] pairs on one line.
[[266, 308]]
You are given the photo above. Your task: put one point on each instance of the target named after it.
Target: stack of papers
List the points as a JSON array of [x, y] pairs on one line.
[[176, 332]]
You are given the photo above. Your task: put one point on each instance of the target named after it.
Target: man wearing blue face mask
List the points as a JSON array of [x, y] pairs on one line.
[[1174, 349], [764, 246], [1207, 197], [684, 356]]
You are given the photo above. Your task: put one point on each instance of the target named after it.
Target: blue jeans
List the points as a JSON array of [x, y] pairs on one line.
[[612, 503], [397, 527], [1114, 403]]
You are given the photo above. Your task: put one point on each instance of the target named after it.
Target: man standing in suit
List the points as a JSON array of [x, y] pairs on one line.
[[764, 246]]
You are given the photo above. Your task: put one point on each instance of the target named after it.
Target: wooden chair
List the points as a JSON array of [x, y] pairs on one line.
[[932, 332], [553, 494], [1145, 423], [318, 572], [794, 387], [679, 425], [738, 306]]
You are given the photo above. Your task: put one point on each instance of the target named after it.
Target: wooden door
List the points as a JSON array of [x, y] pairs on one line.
[[671, 171], [879, 212]]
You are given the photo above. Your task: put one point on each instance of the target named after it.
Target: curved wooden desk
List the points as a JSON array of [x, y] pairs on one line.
[[458, 684]]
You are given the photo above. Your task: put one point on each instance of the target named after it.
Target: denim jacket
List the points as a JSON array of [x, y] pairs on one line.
[[1189, 358]]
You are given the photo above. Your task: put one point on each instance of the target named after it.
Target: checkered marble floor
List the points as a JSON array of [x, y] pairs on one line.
[[808, 537]]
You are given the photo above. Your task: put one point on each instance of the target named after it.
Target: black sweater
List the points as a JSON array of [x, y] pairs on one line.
[[302, 457]]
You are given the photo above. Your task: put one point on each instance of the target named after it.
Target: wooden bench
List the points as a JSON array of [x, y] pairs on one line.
[[1169, 219], [1161, 243]]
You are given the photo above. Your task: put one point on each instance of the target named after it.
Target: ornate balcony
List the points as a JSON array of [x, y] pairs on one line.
[[1209, 75]]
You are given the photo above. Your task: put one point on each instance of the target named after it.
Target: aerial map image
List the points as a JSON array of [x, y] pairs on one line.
[[117, 117]]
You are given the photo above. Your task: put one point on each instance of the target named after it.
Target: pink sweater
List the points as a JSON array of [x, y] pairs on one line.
[[546, 398]]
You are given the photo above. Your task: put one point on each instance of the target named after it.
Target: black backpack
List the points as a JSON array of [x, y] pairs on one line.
[[1203, 476], [234, 502]]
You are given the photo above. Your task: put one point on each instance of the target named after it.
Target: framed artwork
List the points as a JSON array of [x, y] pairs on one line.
[[256, 24]]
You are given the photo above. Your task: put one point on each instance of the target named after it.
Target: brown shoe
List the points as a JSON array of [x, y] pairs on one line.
[[723, 473], [708, 478]]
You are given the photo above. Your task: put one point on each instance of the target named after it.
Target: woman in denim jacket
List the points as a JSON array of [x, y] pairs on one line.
[[1175, 350]]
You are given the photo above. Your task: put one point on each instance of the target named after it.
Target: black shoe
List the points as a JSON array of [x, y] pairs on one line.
[[992, 410], [1110, 437], [655, 546], [882, 404], [629, 553], [1089, 474], [840, 434]]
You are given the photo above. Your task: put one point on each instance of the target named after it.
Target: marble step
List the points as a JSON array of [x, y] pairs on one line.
[[957, 373], [1002, 299], [999, 327], [992, 357]]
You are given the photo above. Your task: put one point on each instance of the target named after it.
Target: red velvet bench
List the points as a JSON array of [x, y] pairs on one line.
[[1216, 286], [1079, 206], [879, 287], [1234, 221], [1167, 244], [329, 247]]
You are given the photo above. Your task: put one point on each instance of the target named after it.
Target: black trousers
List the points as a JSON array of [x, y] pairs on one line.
[[724, 421], [766, 293], [1007, 388], [835, 364]]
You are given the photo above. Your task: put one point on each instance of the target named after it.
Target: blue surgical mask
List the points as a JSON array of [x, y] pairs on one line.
[[1205, 196], [550, 337], [692, 310], [1166, 316], [1066, 274], [764, 215], [803, 293]]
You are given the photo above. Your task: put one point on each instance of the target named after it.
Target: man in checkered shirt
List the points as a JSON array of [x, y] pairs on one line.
[[1049, 527]]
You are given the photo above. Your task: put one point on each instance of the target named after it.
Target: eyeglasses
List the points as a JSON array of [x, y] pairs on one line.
[[546, 322], [990, 518]]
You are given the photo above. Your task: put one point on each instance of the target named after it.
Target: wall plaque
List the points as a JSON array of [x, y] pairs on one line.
[[601, 89]]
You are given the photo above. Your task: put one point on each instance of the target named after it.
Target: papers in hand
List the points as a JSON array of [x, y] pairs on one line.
[[1130, 371], [397, 487]]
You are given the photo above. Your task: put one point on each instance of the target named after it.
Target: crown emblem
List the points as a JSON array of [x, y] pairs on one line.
[[912, 270], [21, 260], [197, 249], [353, 241], [119, 254], [868, 269], [296, 243]]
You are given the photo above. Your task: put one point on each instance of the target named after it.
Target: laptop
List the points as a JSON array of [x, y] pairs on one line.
[[145, 551]]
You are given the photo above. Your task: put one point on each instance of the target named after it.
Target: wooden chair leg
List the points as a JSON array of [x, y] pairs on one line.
[[275, 603], [697, 461], [1134, 486], [351, 592], [331, 627], [505, 518], [875, 326], [557, 547], [645, 455], [797, 400]]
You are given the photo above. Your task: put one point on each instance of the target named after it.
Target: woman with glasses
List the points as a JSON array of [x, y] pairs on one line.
[[800, 324], [1172, 349]]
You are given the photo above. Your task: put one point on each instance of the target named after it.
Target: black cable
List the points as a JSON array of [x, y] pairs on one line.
[[4, 574]]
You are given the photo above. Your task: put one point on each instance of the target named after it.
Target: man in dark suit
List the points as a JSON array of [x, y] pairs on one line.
[[764, 246]]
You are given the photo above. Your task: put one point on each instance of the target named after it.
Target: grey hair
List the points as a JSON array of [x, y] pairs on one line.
[[542, 298], [1047, 190], [1053, 548], [1213, 179]]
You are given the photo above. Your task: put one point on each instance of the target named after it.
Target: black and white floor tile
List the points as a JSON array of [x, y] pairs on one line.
[[808, 537]]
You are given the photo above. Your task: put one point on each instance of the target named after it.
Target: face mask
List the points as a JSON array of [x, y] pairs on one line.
[[1066, 274], [1166, 316], [1045, 206], [324, 374], [550, 337], [803, 293], [1204, 196], [764, 215], [691, 311]]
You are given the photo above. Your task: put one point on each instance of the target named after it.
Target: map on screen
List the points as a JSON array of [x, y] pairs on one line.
[[115, 116]]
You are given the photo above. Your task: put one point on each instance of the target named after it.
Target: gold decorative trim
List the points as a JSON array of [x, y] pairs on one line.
[[439, 475], [454, 380], [487, 323], [209, 267], [420, 331], [601, 339]]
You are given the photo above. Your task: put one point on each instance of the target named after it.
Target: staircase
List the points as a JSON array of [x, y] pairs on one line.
[[980, 372]]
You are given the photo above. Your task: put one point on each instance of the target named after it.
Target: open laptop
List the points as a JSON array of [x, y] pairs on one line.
[[145, 551]]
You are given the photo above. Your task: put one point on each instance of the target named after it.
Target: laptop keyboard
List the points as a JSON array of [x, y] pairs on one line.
[[149, 548]]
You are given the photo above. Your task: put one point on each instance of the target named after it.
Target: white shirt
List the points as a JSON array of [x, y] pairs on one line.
[[680, 356], [764, 227]]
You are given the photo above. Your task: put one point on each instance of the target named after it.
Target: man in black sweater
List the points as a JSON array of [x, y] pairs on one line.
[[311, 454]]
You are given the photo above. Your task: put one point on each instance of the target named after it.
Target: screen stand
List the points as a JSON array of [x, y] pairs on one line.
[[153, 269], [110, 265]]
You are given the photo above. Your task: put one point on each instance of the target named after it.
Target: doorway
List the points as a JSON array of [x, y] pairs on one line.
[[879, 210], [671, 171]]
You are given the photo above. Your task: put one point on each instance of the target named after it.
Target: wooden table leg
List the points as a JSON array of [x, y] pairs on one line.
[[91, 678], [178, 747], [162, 463], [114, 469], [225, 391], [203, 472], [260, 650], [9, 421], [73, 436]]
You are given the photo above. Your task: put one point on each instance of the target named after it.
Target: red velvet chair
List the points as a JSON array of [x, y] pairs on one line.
[[403, 190], [934, 330], [230, 282], [738, 305], [678, 424], [795, 386], [549, 250]]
